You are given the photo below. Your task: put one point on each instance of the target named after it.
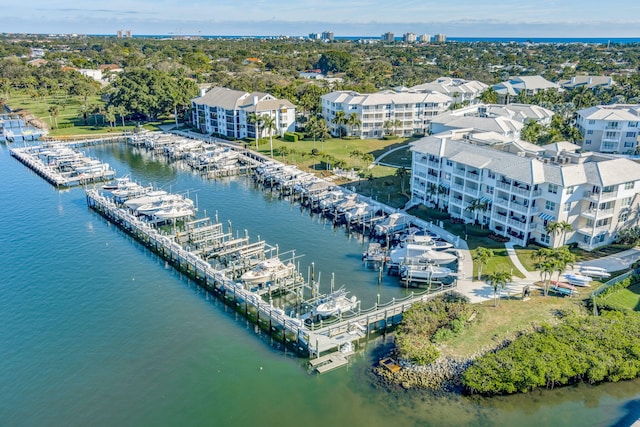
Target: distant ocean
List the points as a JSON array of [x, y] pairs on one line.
[[558, 40]]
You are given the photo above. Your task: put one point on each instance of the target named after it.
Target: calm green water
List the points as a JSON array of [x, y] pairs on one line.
[[95, 330]]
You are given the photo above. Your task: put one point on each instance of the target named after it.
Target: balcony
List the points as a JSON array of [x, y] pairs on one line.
[[594, 231], [519, 208], [517, 223], [473, 175], [498, 201], [599, 213], [457, 187]]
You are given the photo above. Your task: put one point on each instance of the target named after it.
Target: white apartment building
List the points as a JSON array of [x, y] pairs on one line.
[[520, 188], [226, 112], [610, 128], [507, 120], [459, 89], [402, 113], [530, 85]]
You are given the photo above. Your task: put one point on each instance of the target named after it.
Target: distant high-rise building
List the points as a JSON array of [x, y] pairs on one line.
[[327, 36], [425, 38], [314, 36], [128, 33], [119, 34], [440, 38], [409, 38], [388, 37]]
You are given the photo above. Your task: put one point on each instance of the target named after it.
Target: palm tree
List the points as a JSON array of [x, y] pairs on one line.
[[546, 267], [475, 206], [367, 158], [489, 96], [482, 256], [269, 124], [396, 124], [563, 259], [401, 173], [53, 112], [255, 119], [388, 125], [339, 120], [353, 122], [498, 280], [559, 228]]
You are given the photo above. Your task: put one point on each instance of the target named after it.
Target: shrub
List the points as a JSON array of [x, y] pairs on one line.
[[441, 335], [291, 136]]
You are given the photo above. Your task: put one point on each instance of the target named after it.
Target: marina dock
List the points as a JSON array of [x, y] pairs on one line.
[[308, 338]]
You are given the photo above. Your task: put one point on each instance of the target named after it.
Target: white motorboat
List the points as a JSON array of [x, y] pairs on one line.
[[150, 197], [117, 183], [578, 279], [336, 303], [594, 272], [165, 203], [267, 271], [393, 223], [424, 271], [412, 253], [174, 212]]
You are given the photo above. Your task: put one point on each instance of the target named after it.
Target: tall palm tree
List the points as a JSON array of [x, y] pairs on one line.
[[353, 122], [498, 280], [255, 119], [388, 126], [401, 173], [482, 256], [396, 124], [563, 259], [559, 228], [546, 267], [269, 124], [339, 120], [53, 112]]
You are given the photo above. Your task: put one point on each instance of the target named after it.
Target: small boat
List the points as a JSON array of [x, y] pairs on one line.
[[594, 272], [394, 223], [563, 288], [424, 272], [413, 253], [336, 303], [267, 271], [117, 183], [578, 279]]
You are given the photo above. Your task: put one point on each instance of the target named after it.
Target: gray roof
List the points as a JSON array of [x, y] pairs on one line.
[[595, 170], [385, 97], [615, 112], [501, 125]]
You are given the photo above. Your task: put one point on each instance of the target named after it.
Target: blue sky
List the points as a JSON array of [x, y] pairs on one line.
[[507, 18]]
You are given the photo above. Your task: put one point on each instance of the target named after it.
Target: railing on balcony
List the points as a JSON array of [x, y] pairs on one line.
[[517, 223], [473, 175], [592, 231], [600, 213]]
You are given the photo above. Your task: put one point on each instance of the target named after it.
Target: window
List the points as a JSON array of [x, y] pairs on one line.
[[603, 222], [609, 189], [544, 238], [623, 216], [449, 163], [592, 122], [629, 185], [633, 124], [587, 142], [613, 125], [631, 135], [629, 144], [553, 189], [567, 207], [610, 134], [570, 190], [549, 205], [491, 175], [590, 132], [626, 202], [489, 189]]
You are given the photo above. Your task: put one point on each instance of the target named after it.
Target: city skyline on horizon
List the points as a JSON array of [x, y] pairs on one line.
[[510, 18]]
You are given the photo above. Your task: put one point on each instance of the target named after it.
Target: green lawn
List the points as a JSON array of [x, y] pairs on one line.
[[526, 254], [626, 299], [492, 325]]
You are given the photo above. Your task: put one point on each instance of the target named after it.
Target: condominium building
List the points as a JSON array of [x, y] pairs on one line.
[[228, 113], [590, 82], [409, 38], [517, 188], [462, 91], [610, 128], [425, 38], [440, 38], [507, 120], [401, 113], [388, 37], [327, 36], [530, 85]]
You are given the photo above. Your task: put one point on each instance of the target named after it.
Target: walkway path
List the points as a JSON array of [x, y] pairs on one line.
[[616, 262], [381, 156]]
